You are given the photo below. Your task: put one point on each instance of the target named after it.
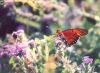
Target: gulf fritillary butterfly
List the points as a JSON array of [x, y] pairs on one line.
[[70, 36]]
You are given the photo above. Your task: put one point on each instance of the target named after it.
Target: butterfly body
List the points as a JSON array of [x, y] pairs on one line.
[[72, 35]]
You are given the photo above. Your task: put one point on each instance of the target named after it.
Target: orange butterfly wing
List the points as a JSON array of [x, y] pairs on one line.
[[72, 35]]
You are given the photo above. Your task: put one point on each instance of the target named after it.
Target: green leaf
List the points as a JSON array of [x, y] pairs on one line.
[[11, 61]]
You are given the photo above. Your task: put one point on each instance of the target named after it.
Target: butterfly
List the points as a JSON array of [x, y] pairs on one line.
[[70, 36]]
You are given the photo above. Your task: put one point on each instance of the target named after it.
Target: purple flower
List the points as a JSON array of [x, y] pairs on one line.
[[21, 49], [14, 33], [20, 31], [17, 33], [87, 60], [9, 3], [13, 50]]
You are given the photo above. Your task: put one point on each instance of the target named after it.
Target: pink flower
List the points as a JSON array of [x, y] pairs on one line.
[[87, 60]]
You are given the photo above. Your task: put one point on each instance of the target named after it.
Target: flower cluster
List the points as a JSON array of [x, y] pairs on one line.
[[16, 46], [47, 55], [86, 65], [87, 60]]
